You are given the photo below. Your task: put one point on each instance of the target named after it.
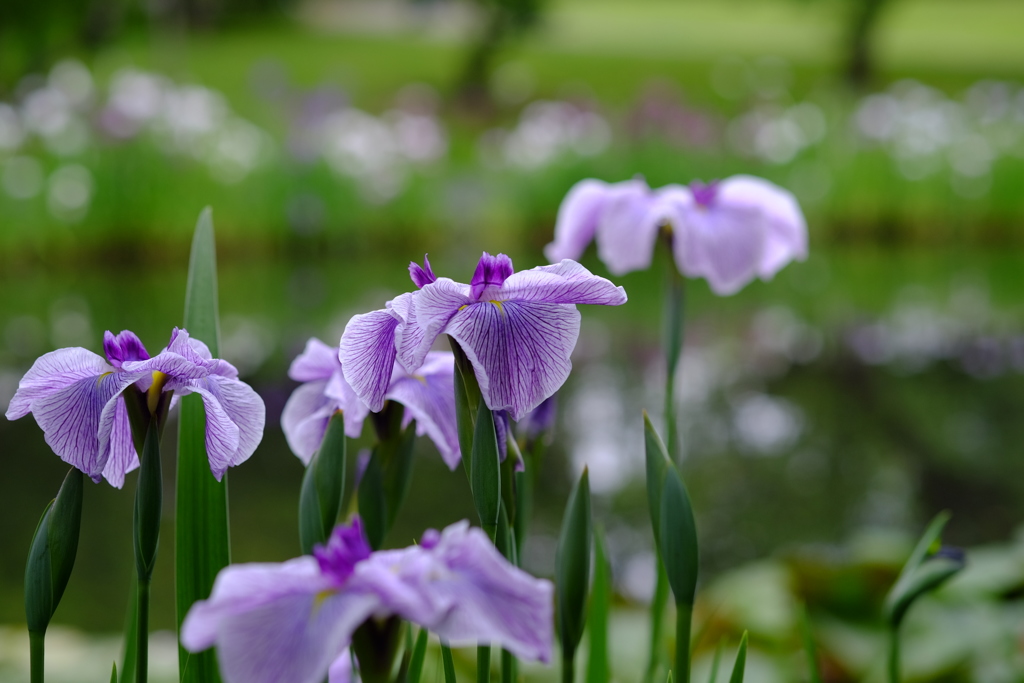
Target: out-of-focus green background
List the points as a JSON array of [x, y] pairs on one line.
[[826, 415]]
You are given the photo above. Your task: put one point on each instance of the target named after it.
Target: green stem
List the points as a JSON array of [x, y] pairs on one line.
[[684, 619], [569, 669], [508, 667], [675, 305], [483, 664], [894, 654], [449, 663], [36, 643], [142, 633], [658, 603]]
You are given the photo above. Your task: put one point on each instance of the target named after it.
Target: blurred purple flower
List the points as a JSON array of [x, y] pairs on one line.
[[288, 622], [728, 232], [517, 329], [540, 420], [428, 396], [74, 396]]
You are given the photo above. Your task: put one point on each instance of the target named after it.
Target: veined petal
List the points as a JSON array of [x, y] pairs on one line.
[[519, 349], [346, 400], [786, 238], [121, 457], [124, 346], [235, 416], [428, 313], [341, 669], [368, 355], [318, 361], [566, 282], [70, 419], [275, 623], [626, 235], [577, 220], [53, 372], [429, 398], [305, 417]]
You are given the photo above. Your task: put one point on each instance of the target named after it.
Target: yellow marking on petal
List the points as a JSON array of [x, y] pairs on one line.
[[100, 378], [155, 389], [498, 304], [321, 597], [463, 306], [421, 378]]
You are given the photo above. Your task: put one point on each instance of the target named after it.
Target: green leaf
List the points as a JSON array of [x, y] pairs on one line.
[[202, 540], [809, 647], [398, 467], [373, 505], [572, 568], [330, 472], [597, 622], [449, 663], [131, 627], [924, 571], [149, 502], [483, 664], [657, 462], [485, 471], [741, 661], [419, 654], [715, 664], [509, 667], [678, 540], [311, 523], [113, 673], [52, 553], [467, 398]]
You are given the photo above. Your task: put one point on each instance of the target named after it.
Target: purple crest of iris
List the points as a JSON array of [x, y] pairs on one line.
[[517, 329], [428, 396], [728, 232], [421, 275], [76, 397], [289, 622]]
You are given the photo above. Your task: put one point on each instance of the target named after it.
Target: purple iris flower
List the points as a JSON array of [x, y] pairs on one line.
[[428, 396], [517, 329], [288, 622], [75, 396], [728, 231]]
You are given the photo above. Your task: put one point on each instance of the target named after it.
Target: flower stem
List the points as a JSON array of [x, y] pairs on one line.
[[36, 643], [569, 668], [449, 663], [684, 618], [483, 664], [894, 654], [142, 633], [675, 306], [658, 603]]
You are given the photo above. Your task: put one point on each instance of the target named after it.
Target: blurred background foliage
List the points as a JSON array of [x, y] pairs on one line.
[[826, 415]]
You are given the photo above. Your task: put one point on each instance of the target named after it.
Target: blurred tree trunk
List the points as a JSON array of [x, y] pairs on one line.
[[864, 16], [503, 19]]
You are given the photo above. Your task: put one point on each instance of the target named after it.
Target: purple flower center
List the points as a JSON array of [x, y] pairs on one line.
[[703, 194], [491, 271], [346, 547], [421, 275], [122, 348]]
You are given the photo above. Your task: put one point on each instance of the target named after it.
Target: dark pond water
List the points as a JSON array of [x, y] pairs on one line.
[[863, 388]]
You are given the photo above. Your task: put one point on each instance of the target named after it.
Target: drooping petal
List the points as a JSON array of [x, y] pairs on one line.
[[53, 372], [318, 361], [786, 238], [490, 273], [519, 349], [235, 416], [428, 312], [368, 355], [305, 417], [71, 420], [275, 623], [346, 400], [566, 282], [626, 233], [429, 398], [122, 457], [341, 670], [577, 220]]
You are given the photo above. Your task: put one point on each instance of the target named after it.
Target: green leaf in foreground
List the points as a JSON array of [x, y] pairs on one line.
[[597, 621], [323, 487], [572, 572], [741, 661], [485, 471], [202, 541], [419, 654]]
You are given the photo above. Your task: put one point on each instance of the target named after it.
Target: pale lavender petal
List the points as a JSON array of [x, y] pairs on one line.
[[180, 366], [305, 417], [786, 238], [70, 419], [626, 233], [122, 457], [341, 670], [346, 400], [428, 312], [368, 355], [275, 623], [429, 398], [577, 221], [566, 282], [53, 372], [235, 417], [317, 361], [519, 350]]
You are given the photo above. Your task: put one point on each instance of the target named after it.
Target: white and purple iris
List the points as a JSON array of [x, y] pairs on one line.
[[76, 397], [428, 396], [728, 231], [288, 622], [517, 329]]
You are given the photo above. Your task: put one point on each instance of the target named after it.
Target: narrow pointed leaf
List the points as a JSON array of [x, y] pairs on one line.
[[713, 678], [678, 541], [925, 570], [809, 647], [202, 541], [597, 622], [449, 663], [572, 568], [658, 462], [311, 522], [38, 577], [467, 399], [741, 661], [131, 626], [113, 673], [483, 664], [419, 654], [52, 553], [330, 472], [398, 470], [373, 506], [485, 470], [149, 503], [509, 667]]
